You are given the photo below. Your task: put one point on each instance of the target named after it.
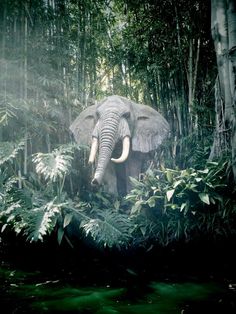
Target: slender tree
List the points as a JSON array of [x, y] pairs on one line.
[[223, 27]]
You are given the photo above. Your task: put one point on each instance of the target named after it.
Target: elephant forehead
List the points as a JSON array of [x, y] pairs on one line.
[[112, 104], [112, 108]]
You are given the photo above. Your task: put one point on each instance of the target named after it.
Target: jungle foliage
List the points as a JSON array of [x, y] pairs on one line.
[[166, 205], [56, 58]]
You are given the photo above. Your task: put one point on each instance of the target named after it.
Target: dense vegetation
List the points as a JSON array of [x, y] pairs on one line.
[[59, 56]]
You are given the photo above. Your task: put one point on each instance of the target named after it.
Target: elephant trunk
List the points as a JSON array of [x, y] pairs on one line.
[[108, 133]]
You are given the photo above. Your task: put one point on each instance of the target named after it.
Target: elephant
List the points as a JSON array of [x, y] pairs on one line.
[[121, 134]]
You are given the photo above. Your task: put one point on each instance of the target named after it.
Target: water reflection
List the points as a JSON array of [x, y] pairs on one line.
[[24, 292]]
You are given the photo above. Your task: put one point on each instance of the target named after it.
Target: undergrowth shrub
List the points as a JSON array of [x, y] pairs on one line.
[[180, 204]]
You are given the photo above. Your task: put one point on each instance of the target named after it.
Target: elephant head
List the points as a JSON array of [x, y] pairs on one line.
[[117, 121]]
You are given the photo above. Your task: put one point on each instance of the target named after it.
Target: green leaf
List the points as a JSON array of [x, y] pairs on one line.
[[183, 205], [117, 205], [176, 183], [152, 201], [192, 187], [219, 198], [205, 171], [204, 197], [143, 230], [169, 194], [136, 208], [3, 227], [135, 183], [169, 176], [67, 219], [60, 234]]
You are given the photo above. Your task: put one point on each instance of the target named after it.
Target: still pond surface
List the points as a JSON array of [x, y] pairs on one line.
[[35, 292]]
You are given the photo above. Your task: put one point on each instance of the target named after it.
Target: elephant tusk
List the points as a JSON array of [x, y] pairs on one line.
[[125, 151], [93, 150]]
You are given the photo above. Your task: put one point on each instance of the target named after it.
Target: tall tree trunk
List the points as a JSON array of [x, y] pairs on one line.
[[25, 57], [3, 64], [223, 27], [192, 80], [232, 70]]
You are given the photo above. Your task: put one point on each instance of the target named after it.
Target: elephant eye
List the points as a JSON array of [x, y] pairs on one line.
[[89, 117], [127, 115], [143, 118]]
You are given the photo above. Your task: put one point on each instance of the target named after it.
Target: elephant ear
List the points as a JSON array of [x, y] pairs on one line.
[[150, 129], [83, 126]]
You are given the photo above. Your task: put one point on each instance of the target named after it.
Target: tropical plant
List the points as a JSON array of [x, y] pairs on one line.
[[182, 203], [55, 166], [108, 228], [34, 222], [40, 205], [9, 151], [25, 208]]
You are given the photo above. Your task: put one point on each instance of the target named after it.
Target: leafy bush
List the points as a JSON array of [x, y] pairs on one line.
[[183, 203], [35, 212], [27, 209]]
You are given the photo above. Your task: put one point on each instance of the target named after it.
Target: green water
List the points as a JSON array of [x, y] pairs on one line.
[[33, 292]]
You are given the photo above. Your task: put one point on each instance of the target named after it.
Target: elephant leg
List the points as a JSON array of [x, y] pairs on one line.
[[134, 167], [109, 179], [121, 179]]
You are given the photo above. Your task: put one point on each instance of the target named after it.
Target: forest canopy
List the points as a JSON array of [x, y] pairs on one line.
[[59, 56]]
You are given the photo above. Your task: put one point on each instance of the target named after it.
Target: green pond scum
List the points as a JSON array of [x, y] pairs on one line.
[[33, 292]]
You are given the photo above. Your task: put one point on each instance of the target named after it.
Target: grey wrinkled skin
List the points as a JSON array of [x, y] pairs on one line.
[[110, 121]]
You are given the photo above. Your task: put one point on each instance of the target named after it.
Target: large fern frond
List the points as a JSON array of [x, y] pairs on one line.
[[109, 229], [11, 216], [35, 223], [41, 221], [54, 165], [9, 151], [7, 109]]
